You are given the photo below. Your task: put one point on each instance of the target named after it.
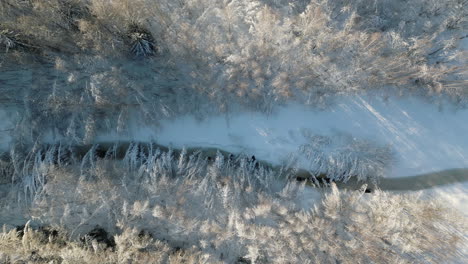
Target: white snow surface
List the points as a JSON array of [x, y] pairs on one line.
[[425, 137], [453, 195]]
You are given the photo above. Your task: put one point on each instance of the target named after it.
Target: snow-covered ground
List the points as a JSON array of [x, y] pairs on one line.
[[453, 195], [424, 137]]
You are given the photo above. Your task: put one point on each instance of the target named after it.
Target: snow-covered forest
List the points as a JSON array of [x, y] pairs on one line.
[[228, 131]]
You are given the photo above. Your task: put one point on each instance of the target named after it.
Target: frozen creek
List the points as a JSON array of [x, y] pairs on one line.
[[424, 138]]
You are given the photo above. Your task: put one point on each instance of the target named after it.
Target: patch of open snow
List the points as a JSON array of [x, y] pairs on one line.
[[454, 195], [424, 137]]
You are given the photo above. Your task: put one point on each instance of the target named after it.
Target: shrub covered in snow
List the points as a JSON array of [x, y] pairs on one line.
[[341, 157]]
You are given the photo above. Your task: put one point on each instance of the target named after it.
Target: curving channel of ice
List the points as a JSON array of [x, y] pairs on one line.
[[423, 137]]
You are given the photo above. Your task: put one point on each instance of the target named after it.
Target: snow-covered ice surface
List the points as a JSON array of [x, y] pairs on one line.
[[424, 137]]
